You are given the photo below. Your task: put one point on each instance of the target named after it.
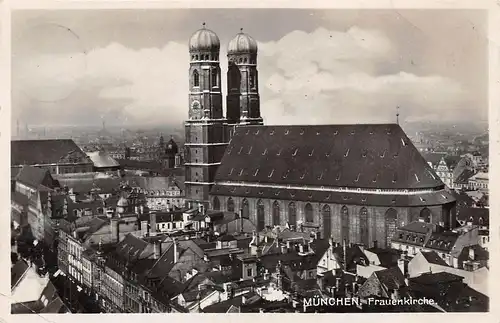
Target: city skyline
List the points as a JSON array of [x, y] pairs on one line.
[[138, 74]]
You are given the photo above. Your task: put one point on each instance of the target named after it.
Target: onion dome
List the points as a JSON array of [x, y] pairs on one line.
[[122, 202], [242, 44], [204, 40], [171, 147]]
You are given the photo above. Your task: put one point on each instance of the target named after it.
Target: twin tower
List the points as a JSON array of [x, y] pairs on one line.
[[208, 132]]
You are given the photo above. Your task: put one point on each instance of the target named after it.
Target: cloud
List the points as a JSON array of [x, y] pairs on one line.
[[318, 77]]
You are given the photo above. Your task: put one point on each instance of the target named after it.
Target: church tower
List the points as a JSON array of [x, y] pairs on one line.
[[243, 102], [205, 127]]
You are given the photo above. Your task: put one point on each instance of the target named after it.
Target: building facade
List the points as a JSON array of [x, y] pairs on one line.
[[205, 127]]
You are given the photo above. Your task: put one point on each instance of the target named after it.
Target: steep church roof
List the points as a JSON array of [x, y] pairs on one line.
[[372, 156], [31, 152]]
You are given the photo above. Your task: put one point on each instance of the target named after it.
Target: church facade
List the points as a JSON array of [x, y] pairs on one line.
[[350, 182]]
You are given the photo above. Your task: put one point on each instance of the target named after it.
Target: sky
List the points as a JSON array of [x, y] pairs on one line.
[[130, 67]]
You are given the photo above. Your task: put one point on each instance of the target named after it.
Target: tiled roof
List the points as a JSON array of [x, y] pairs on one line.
[[170, 216], [433, 258], [418, 227], [463, 177], [436, 278], [31, 152], [224, 306], [101, 159], [131, 247], [34, 177], [426, 199], [354, 156], [480, 254], [443, 241], [17, 272], [85, 185], [474, 214], [391, 278], [56, 306]]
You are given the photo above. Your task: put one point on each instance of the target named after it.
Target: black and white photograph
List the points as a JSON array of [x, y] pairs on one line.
[[244, 160]]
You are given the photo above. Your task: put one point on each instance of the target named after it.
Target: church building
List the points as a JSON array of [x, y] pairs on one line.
[[350, 182]]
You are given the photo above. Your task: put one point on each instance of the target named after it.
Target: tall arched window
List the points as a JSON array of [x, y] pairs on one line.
[[308, 211], [292, 214], [276, 213], [252, 81], [215, 79], [261, 221], [216, 203], [327, 222], [425, 215], [345, 223], [245, 208], [363, 227], [230, 205], [196, 78], [391, 219]]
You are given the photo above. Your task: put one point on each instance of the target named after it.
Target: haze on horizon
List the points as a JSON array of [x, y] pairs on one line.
[[130, 67]]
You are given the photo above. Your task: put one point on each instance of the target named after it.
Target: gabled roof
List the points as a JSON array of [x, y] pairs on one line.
[[31, 152], [17, 272], [35, 177], [442, 241], [131, 247], [433, 258], [355, 156], [391, 278], [475, 214]]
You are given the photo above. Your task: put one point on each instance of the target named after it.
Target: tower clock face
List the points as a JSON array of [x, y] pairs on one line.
[[195, 105]]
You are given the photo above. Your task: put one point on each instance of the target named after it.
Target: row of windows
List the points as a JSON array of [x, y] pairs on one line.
[[214, 78], [391, 217], [205, 57]]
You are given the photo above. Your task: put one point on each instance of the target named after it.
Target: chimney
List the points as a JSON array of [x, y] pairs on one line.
[[354, 288], [407, 280], [334, 291], [153, 224], [337, 283], [144, 228], [301, 248], [345, 255], [243, 300], [375, 244], [201, 209], [471, 253], [283, 249], [288, 245], [141, 209], [115, 234], [136, 210], [402, 266], [75, 234], [157, 250], [176, 251]]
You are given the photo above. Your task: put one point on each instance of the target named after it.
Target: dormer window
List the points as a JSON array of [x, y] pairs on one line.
[[318, 133], [287, 132], [241, 172], [338, 176], [301, 132], [279, 152], [271, 174], [336, 132], [239, 152], [286, 174], [311, 153], [357, 177], [363, 154], [347, 153], [327, 197], [383, 154], [303, 175], [320, 177], [231, 171], [250, 150], [256, 172], [271, 133], [265, 152], [416, 177], [295, 152], [403, 142]]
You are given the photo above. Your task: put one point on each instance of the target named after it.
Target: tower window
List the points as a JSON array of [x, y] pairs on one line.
[[196, 78], [245, 60], [252, 80], [214, 78]]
